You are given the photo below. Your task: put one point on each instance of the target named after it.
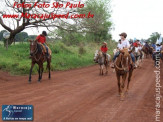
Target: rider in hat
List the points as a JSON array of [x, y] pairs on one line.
[[42, 39], [104, 49], [125, 44]]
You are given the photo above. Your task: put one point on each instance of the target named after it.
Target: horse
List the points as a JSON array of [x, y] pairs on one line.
[[162, 55], [147, 51], [138, 55], [157, 56], [38, 57], [123, 67], [100, 59]]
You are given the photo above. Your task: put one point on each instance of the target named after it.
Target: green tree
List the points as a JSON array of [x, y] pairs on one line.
[[1, 34], [20, 37], [154, 36], [100, 25]]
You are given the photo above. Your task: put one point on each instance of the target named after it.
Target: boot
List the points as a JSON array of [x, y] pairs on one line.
[[47, 56], [134, 65], [112, 65]]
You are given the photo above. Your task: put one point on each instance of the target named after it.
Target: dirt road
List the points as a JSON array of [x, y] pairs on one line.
[[81, 95]]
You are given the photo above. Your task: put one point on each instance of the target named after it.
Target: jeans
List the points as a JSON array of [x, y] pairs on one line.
[[132, 57], [117, 54], [46, 49]]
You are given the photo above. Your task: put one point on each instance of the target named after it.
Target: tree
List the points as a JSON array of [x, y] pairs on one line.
[[154, 36], [100, 25], [20, 37], [21, 21], [95, 28]]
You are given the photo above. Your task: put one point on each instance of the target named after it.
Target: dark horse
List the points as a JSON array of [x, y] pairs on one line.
[[38, 57], [123, 67], [147, 51]]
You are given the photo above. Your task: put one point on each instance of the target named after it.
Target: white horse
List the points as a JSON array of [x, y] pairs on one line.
[[100, 59]]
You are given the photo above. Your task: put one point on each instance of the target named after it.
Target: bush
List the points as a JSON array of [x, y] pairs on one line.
[[82, 50]]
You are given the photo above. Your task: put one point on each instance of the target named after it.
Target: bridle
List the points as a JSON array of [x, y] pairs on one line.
[[35, 52], [97, 57], [122, 68]]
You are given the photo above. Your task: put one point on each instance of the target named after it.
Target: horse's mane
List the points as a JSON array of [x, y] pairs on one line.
[[39, 47], [125, 51]]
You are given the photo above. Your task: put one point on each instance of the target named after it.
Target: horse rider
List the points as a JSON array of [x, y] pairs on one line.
[[120, 46], [158, 48], [153, 45], [140, 46], [147, 45], [125, 44], [104, 50], [135, 44], [42, 39]]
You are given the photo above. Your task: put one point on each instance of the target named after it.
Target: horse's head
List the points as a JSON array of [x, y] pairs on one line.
[[97, 55], [125, 59], [33, 46]]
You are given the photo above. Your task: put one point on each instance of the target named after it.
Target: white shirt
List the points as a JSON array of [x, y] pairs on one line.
[[139, 47], [158, 48], [125, 43], [136, 49], [120, 46]]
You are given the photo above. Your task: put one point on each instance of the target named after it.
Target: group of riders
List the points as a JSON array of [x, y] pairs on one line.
[[123, 43], [132, 47]]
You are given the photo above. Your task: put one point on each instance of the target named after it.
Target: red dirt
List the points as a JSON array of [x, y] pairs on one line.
[[81, 95]]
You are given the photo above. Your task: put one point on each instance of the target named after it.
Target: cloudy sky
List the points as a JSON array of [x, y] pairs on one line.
[[138, 18]]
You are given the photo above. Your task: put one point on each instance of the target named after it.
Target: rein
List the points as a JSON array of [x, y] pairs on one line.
[[35, 52], [120, 68]]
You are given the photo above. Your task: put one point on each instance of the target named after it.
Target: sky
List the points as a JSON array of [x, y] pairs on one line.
[[138, 18]]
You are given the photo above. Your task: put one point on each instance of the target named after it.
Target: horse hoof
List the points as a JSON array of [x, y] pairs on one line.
[[118, 95], [122, 99], [126, 92]]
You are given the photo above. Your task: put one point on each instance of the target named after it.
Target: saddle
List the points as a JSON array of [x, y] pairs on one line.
[[44, 49], [107, 56]]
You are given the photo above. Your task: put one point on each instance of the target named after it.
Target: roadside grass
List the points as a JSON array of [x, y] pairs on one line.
[[15, 60]]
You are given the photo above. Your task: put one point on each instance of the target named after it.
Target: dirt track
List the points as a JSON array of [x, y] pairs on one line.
[[81, 95]]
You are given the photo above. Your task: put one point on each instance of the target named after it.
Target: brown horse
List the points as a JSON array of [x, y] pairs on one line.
[[100, 59], [148, 51], [38, 57], [123, 67], [162, 55]]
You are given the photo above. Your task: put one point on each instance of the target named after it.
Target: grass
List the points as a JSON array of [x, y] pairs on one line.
[[15, 60]]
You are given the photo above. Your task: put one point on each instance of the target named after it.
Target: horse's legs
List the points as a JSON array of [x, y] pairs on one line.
[[41, 71], [48, 65], [106, 66], [118, 79], [32, 65], [122, 85], [102, 68], [129, 79]]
